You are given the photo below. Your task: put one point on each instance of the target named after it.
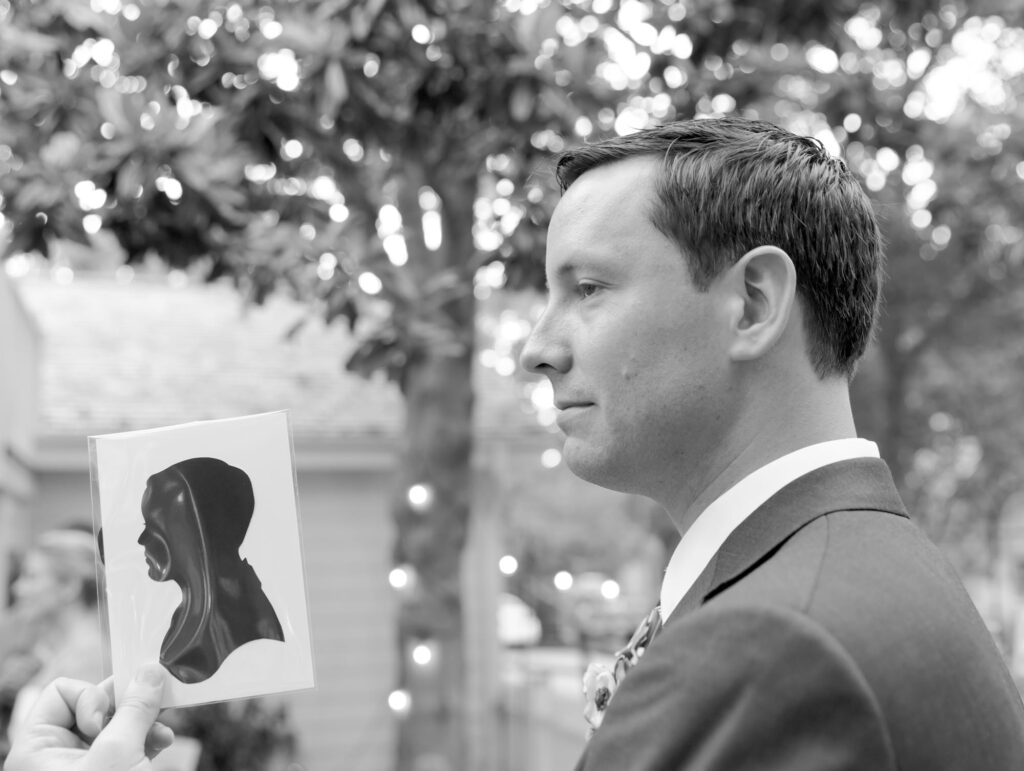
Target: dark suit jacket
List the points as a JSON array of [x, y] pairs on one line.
[[828, 633]]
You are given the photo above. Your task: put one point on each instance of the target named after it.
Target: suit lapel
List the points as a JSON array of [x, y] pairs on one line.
[[863, 483]]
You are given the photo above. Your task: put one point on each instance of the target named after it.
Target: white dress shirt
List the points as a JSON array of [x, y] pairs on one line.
[[708, 532]]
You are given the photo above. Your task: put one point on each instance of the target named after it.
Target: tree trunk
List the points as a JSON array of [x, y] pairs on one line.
[[432, 528], [431, 537]]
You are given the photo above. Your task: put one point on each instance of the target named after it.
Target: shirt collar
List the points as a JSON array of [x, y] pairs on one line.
[[714, 525]]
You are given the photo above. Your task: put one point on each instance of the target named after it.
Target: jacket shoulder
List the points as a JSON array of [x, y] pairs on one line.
[[743, 687]]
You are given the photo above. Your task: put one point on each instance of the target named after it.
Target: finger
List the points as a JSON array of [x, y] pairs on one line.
[[108, 686], [56, 704], [160, 737], [92, 710], [138, 708]]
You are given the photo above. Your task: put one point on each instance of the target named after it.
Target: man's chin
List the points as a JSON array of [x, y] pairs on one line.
[[600, 468], [582, 461]]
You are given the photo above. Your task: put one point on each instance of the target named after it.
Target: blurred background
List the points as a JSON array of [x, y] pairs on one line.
[[212, 208]]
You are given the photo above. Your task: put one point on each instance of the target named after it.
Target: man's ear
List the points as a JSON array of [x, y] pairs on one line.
[[764, 281]]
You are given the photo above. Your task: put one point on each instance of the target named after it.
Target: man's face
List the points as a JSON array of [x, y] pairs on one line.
[[635, 353]]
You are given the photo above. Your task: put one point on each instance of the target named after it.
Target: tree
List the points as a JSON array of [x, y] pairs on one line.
[[335, 149]]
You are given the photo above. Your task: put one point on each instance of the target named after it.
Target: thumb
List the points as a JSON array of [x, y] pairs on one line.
[[122, 743], [140, 703]]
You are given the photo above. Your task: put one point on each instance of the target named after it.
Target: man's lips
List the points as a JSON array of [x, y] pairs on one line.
[[567, 411], [568, 405]]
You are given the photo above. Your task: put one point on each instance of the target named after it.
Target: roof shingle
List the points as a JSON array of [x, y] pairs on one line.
[[143, 354]]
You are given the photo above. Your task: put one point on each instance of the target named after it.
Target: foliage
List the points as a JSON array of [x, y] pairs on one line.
[[249, 735], [335, 150]]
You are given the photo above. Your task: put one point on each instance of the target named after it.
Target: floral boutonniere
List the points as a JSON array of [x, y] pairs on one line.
[[600, 682]]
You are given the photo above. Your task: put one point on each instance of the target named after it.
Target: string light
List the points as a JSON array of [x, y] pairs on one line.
[[370, 283], [550, 458], [399, 701], [420, 497], [563, 580], [422, 654], [610, 589], [508, 565], [398, 578]]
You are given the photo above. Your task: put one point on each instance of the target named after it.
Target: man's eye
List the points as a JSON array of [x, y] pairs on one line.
[[585, 290]]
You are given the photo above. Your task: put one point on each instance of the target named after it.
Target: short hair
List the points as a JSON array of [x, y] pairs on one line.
[[728, 185]]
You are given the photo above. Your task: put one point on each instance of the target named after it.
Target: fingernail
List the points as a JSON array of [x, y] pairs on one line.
[[151, 674]]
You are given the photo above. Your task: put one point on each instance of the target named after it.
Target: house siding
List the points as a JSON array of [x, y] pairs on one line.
[[347, 536], [20, 343]]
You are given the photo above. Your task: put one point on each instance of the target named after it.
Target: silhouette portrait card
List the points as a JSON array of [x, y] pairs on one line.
[[202, 557]]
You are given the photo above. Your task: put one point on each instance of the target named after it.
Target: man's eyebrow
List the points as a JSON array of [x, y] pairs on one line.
[[573, 266], [566, 269]]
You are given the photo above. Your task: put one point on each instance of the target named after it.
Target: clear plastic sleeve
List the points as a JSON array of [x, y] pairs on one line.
[[202, 557]]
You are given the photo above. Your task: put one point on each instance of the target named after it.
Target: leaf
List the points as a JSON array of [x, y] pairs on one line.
[[35, 195], [20, 41], [344, 307], [363, 17], [61, 151], [328, 8], [130, 179], [297, 326], [559, 104], [375, 354], [445, 281], [304, 36], [83, 18], [335, 88], [111, 105], [521, 102]]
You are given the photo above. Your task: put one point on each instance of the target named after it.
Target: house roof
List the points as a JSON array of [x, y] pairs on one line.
[[151, 352]]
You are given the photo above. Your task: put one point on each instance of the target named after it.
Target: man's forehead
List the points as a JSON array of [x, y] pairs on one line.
[[604, 205], [624, 179]]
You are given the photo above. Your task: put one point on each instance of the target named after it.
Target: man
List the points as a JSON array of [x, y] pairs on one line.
[[712, 285]]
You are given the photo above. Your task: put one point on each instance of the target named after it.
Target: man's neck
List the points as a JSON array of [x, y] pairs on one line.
[[722, 516], [759, 437]]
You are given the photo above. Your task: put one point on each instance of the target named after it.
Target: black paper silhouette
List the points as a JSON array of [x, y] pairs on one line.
[[197, 513]]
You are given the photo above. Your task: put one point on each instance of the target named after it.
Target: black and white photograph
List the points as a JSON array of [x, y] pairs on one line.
[[653, 372]]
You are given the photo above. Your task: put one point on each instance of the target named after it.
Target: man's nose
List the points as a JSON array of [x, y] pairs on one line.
[[546, 351]]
